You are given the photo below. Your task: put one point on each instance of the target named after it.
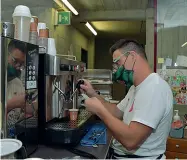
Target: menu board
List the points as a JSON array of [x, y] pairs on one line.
[[178, 86]]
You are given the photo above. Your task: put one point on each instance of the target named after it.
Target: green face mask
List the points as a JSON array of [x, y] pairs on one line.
[[123, 75], [12, 72]]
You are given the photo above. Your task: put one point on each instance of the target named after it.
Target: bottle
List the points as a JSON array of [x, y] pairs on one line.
[[176, 117]]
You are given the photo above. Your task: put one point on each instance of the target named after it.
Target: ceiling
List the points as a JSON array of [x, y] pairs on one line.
[[172, 13], [97, 5], [111, 28], [114, 28]]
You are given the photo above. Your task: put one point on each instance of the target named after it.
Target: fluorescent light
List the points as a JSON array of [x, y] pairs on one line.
[[91, 28], [184, 44], [70, 7]]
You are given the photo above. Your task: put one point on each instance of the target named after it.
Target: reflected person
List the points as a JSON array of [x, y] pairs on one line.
[[15, 89]]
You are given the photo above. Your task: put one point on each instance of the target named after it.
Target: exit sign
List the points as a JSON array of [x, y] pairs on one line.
[[64, 18]]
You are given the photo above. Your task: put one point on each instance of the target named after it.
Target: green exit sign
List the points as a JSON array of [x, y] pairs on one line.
[[64, 18]]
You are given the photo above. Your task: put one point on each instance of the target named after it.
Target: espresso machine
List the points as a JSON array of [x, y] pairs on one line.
[[58, 79], [19, 92]]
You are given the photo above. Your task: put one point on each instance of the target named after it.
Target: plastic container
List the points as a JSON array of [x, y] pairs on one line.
[[177, 132], [51, 47], [73, 114], [21, 20]]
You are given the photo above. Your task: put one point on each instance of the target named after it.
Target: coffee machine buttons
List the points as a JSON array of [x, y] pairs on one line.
[[30, 72]]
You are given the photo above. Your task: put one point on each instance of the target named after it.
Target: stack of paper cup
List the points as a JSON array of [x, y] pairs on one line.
[[51, 46], [33, 37], [21, 19], [41, 26]]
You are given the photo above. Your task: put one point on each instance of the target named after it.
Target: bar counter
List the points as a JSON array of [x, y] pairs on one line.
[[47, 152]]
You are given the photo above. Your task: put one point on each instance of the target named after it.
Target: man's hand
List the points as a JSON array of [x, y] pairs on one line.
[[19, 100], [94, 105], [88, 89]]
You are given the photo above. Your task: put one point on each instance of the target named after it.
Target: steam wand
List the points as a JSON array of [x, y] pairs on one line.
[[62, 94]]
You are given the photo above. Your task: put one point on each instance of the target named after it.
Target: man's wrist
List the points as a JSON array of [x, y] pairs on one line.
[[94, 94], [101, 112]]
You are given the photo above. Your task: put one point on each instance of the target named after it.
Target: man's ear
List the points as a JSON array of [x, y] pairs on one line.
[[133, 55]]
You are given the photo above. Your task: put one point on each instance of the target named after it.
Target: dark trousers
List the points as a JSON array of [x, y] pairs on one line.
[[113, 155]]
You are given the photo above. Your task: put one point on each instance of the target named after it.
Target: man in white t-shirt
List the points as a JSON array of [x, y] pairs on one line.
[[141, 122]]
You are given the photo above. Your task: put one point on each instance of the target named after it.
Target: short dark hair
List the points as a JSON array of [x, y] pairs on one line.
[[129, 45], [14, 44]]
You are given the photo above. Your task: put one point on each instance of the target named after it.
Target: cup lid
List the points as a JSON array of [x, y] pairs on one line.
[[41, 25], [73, 109], [21, 10]]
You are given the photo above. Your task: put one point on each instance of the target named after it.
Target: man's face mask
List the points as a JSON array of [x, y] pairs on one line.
[[12, 72], [122, 74]]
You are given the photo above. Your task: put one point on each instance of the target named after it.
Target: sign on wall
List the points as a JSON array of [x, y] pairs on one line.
[[64, 18]]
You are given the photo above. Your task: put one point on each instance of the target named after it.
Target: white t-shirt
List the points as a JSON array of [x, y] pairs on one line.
[[150, 103], [14, 87]]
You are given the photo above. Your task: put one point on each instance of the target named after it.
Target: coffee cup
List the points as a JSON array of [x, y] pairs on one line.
[[41, 26], [73, 114]]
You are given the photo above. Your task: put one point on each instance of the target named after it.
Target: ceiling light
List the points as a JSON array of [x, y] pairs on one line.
[[184, 44], [91, 28], [70, 7]]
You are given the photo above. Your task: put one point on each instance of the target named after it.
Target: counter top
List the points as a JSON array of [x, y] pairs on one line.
[[47, 152]]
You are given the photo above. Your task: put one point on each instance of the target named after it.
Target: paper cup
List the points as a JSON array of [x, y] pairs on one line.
[[73, 114], [41, 26], [51, 46]]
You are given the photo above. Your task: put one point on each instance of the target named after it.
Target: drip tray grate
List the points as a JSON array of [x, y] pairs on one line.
[[29, 123], [69, 125]]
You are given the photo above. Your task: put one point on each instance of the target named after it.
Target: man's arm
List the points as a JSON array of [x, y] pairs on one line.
[[130, 136], [16, 102], [112, 108]]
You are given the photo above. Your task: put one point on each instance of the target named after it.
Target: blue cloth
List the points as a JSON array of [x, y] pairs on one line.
[[96, 135]]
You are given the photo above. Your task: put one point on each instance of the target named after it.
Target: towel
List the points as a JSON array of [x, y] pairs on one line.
[[95, 136]]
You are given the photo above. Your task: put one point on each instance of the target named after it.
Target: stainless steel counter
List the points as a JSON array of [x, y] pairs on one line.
[[47, 152]]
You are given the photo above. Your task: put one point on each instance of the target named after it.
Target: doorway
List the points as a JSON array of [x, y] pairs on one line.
[[84, 56]]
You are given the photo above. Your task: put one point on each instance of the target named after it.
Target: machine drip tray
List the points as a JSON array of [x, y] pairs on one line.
[[64, 131]]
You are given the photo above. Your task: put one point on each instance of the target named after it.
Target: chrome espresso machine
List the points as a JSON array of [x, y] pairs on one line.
[[58, 78]]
